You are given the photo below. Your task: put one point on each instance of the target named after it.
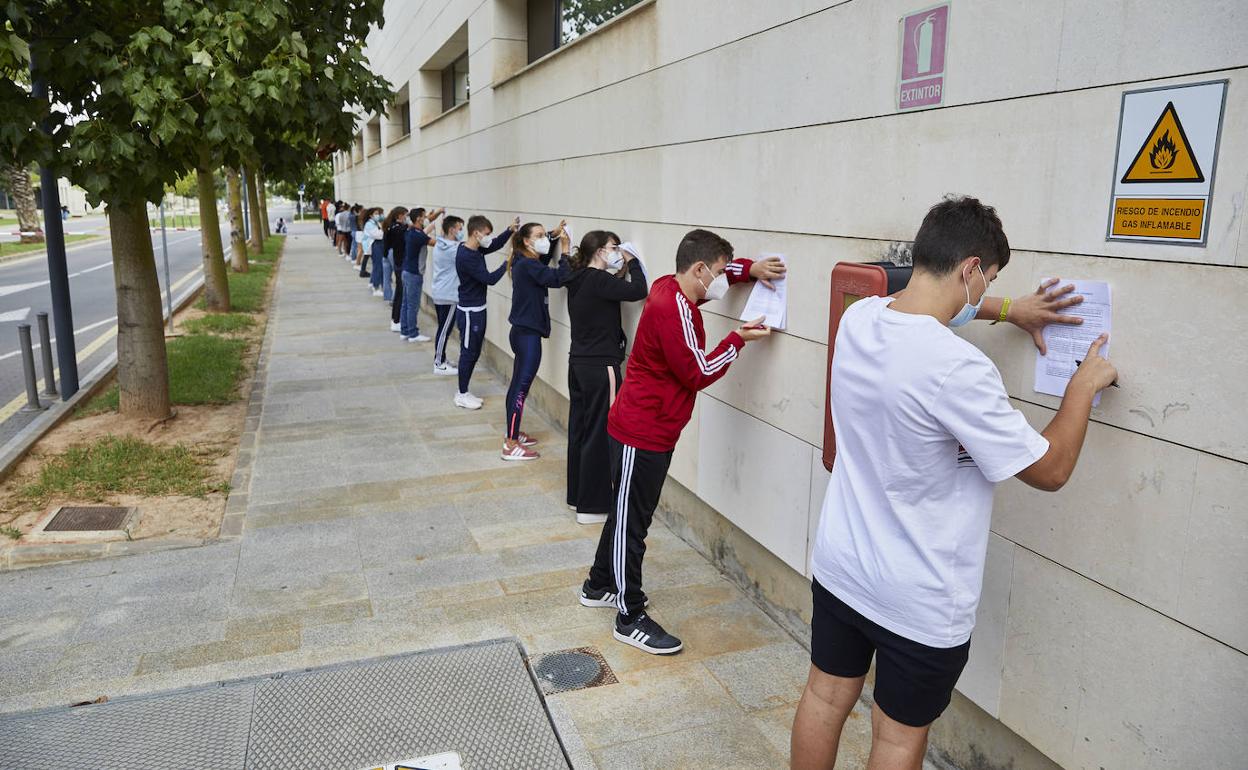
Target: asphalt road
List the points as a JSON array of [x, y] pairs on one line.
[[24, 291]]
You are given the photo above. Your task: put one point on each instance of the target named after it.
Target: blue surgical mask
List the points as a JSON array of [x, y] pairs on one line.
[[969, 311], [460, 235]]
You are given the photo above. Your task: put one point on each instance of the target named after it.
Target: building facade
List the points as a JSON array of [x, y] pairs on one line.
[[1113, 627]]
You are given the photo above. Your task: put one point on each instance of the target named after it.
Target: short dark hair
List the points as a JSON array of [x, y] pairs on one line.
[[416, 212], [477, 223], [450, 222], [956, 228], [701, 246]]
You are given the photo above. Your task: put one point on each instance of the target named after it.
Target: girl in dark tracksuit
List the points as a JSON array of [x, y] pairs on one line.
[[531, 277], [602, 276]]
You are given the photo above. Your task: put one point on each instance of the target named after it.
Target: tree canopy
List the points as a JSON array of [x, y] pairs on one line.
[[143, 88]]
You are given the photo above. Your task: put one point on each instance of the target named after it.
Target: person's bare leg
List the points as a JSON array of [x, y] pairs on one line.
[[821, 714], [895, 746]]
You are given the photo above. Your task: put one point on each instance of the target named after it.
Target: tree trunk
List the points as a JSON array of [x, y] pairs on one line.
[[216, 284], [17, 178], [264, 203], [253, 205], [238, 244], [142, 367]]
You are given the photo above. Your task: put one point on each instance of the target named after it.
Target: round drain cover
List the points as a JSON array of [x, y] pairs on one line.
[[568, 670]]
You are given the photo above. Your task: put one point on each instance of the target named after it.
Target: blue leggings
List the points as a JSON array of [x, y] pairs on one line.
[[527, 346]]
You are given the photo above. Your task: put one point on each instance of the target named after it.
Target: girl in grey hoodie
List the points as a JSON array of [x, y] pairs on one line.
[[444, 288]]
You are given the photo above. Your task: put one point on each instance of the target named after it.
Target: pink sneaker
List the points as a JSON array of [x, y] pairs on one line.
[[526, 440], [514, 450]]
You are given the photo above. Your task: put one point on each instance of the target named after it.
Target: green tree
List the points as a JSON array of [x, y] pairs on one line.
[[318, 181], [149, 90], [16, 180], [582, 16]]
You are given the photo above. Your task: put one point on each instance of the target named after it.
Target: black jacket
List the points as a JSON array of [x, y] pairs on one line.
[[594, 298], [392, 241]]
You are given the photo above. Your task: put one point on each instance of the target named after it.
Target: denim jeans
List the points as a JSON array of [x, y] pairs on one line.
[[375, 276], [409, 320], [387, 285]]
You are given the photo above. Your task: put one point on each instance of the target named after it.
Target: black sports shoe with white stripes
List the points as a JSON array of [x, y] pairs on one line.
[[592, 597], [642, 632]]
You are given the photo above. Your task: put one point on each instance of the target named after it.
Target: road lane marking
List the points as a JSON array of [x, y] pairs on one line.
[[11, 408]]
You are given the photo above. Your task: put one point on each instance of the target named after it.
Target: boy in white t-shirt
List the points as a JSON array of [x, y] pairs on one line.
[[924, 431]]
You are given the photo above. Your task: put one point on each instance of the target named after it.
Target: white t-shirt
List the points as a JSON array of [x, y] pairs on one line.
[[924, 430]]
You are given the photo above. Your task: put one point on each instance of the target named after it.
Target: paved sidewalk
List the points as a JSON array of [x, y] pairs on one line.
[[379, 520]]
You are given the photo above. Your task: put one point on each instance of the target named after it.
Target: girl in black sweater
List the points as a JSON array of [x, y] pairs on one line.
[[602, 276]]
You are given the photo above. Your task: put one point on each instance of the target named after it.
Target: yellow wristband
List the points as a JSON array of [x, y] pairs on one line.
[[1005, 309]]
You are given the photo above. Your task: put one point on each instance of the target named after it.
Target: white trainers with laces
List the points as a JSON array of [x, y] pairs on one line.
[[420, 338], [467, 401], [445, 369]]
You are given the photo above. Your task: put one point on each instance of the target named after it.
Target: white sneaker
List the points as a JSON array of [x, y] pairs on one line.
[[377, 293], [467, 401], [445, 369], [420, 338], [591, 518], [394, 327]]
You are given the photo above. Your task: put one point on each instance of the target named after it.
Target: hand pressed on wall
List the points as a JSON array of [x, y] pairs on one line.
[[1032, 312]]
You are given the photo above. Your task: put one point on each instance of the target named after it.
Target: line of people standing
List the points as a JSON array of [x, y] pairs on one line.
[[621, 429]]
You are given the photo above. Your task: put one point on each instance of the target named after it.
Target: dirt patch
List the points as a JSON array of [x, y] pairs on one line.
[[211, 433]]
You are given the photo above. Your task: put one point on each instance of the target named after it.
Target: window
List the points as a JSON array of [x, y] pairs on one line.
[[455, 83], [405, 118], [553, 23], [374, 136]]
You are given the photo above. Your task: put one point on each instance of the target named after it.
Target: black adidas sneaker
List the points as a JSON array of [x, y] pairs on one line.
[[591, 597], [642, 632]]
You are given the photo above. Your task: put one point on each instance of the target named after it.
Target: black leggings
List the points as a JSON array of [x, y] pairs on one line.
[[591, 389]]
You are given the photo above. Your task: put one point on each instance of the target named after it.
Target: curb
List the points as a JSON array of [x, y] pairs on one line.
[[44, 252], [17, 447]]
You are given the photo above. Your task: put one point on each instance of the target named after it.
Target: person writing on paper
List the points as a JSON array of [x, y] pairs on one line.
[[602, 275], [668, 367], [924, 432]]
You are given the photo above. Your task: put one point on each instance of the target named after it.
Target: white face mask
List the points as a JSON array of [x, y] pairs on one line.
[[615, 259], [717, 288], [483, 239], [542, 245]]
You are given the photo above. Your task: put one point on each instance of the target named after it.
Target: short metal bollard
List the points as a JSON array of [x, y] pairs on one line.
[[28, 367], [45, 347]]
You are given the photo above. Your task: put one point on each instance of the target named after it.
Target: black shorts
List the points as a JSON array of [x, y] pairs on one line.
[[913, 682]]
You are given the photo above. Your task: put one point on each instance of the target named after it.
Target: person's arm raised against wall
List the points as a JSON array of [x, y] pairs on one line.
[[1032, 312], [1069, 426]]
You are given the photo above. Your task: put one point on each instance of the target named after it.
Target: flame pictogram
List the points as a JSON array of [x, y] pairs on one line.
[[1164, 153]]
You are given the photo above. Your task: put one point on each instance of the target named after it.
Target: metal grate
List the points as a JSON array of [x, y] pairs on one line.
[[576, 669], [88, 518], [476, 704]]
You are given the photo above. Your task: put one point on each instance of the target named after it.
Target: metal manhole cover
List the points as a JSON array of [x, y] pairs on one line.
[[571, 670], [88, 518]]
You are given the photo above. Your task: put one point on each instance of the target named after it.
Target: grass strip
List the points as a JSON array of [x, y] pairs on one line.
[[121, 465]]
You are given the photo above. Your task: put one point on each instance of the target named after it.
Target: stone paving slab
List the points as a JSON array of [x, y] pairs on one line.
[[378, 520]]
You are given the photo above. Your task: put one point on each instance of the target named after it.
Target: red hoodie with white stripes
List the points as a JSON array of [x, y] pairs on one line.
[[668, 366]]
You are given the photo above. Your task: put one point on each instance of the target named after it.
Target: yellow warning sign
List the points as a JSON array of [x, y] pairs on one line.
[[1166, 155], [1160, 218]]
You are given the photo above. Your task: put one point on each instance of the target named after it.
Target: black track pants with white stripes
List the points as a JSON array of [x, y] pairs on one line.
[[639, 475]]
